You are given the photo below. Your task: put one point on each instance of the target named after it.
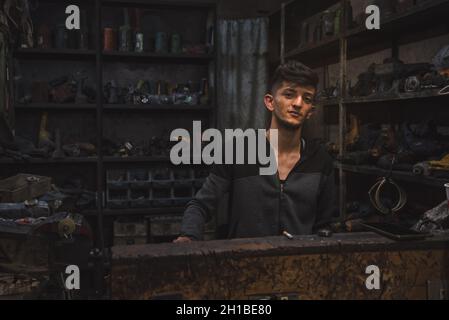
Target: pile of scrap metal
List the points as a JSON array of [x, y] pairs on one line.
[[154, 147], [393, 77], [65, 89], [48, 146], [147, 92], [421, 148], [36, 238], [435, 220]]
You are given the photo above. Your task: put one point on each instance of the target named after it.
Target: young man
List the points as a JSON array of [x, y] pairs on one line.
[[299, 198]]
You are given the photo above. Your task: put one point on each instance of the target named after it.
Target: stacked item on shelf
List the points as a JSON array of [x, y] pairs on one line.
[[146, 92], [393, 78], [129, 37], [324, 25], [70, 88], [158, 187], [414, 147]]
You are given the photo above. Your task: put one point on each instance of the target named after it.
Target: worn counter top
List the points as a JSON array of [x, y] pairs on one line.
[[345, 242]]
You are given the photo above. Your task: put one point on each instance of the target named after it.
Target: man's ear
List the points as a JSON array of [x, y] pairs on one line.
[[269, 102]]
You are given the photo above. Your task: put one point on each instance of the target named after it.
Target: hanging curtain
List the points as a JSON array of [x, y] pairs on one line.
[[242, 73]]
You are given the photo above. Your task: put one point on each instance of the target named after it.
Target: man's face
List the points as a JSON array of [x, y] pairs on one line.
[[291, 105]]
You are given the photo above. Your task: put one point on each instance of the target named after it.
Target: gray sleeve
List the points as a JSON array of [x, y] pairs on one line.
[[204, 205]]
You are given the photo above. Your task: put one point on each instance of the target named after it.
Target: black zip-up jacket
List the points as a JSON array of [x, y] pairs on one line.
[[259, 205]]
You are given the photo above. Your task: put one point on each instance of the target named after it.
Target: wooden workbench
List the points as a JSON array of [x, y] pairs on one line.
[[307, 267]]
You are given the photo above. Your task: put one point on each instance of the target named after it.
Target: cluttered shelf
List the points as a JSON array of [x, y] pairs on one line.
[[131, 159], [361, 41], [427, 94], [56, 106], [146, 107], [135, 212], [328, 48], [67, 54], [397, 21], [158, 3], [66, 160], [399, 175]]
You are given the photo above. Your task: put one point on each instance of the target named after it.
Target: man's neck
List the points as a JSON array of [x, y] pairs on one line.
[[288, 140]]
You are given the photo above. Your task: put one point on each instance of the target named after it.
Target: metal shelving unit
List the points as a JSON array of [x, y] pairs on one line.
[[98, 58], [357, 42]]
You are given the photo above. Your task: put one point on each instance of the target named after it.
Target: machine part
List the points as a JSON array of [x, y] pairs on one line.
[[375, 196], [58, 153], [422, 168], [441, 59], [436, 218], [326, 233], [444, 90], [288, 235], [412, 84], [66, 227], [139, 42], [428, 167], [328, 19]]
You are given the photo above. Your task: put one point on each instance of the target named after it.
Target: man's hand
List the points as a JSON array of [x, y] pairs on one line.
[[182, 240]]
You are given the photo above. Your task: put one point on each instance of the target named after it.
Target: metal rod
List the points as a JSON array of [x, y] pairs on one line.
[[282, 53], [342, 110], [99, 121]]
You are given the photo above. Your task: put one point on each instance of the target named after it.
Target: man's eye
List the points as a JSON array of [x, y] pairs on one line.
[[308, 100], [289, 95]]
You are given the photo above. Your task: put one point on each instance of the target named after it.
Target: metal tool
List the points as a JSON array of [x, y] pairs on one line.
[[288, 235], [58, 153]]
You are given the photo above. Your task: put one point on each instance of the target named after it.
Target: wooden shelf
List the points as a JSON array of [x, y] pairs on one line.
[[56, 106], [327, 51], [158, 3], [157, 159], [362, 41], [425, 94], [157, 57], [136, 212], [399, 175], [67, 160], [148, 107], [50, 54], [329, 102]]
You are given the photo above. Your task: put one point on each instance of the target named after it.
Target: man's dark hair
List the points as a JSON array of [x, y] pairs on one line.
[[295, 72]]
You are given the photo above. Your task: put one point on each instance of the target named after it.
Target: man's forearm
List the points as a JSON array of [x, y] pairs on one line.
[[193, 221]]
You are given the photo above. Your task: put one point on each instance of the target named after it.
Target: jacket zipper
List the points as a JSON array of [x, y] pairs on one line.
[[281, 193]]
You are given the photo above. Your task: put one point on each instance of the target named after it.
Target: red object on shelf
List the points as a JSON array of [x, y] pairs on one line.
[[109, 39]]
